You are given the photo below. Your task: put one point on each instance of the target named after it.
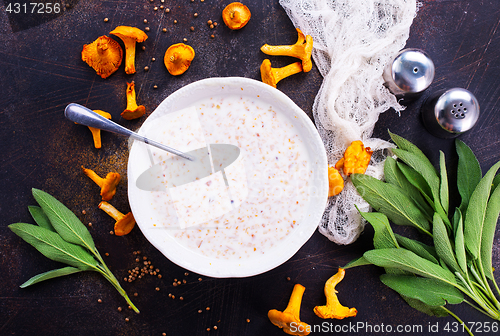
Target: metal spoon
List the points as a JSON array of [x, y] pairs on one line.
[[84, 116]]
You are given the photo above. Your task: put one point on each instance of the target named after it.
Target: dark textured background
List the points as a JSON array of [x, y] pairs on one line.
[[41, 72]]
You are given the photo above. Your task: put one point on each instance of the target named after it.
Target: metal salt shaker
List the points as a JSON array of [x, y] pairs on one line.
[[449, 113], [409, 74]]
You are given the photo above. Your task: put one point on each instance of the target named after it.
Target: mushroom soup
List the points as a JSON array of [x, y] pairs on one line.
[[268, 183]]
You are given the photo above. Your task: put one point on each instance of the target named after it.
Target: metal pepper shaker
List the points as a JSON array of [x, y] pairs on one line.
[[409, 74], [449, 113]]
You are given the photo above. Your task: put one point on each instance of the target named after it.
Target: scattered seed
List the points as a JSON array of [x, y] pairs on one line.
[[199, 311], [119, 308], [162, 1], [208, 308], [248, 320], [174, 284], [288, 278], [185, 39], [163, 334], [157, 289], [181, 298], [175, 21], [106, 19], [186, 274], [202, 0], [156, 8], [129, 307], [127, 319], [84, 212], [191, 28], [106, 254], [136, 294], [161, 7], [212, 36], [167, 10], [169, 295], [215, 24], [184, 281], [159, 276], [146, 29], [138, 252], [145, 20], [164, 30], [156, 87], [111, 232], [173, 296], [215, 327], [208, 329], [212, 26], [199, 279], [90, 224], [99, 300], [137, 259], [195, 14], [209, 22], [143, 47]]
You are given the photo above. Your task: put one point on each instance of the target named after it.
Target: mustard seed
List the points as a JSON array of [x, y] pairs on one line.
[[127, 319], [143, 47], [145, 21], [157, 289], [156, 8], [111, 232], [209, 22], [159, 276], [163, 334], [181, 298], [186, 274], [212, 26], [248, 320], [215, 327], [99, 300], [84, 212], [119, 308], [199, 311], [208, 329], [208, 308], [106, 254], [137, 260], [195, 14], [185, 39], [90, 224], [161, 7], [155, 87], [146, 29], [173, 296], [164, 30], [136, 294], [199, 279], [212, 36], [288, 278], [215, 24], [106, 19], [167, 10], [175, 21], [162, 1], [191, 28]]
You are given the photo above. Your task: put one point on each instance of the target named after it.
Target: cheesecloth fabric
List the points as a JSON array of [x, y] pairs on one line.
[[353, 41]]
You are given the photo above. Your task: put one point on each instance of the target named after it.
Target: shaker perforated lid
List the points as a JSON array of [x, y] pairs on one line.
[[411, 72], [450, 113]]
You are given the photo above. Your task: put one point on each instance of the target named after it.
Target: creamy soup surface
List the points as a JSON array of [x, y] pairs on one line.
[[274, 161]]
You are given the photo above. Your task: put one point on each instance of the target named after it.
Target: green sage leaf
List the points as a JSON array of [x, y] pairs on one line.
[[50, 275], [419, 248], [443, 188], [437, 311], [468, 173], [490, 222], [496, 181], [476, 212], [418, 182], [442, 243], [460, 242], [40, 217], [391, 201], [406, 145], [395, 176], [361, 261], [383, 236], [69, 227], [51, 245], [423, 166], [430, 291], [408, 261]]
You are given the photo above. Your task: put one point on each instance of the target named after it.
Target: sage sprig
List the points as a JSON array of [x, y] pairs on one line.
[[458, 267], [61, 236]]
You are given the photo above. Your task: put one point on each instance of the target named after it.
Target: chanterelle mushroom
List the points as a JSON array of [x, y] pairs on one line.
[[132, 111], [289, 319], [302, 49], [178, 58], [96, 133], [124, 223], [272, 76], [333, 308], [236, 15], [129, 36], [104, 55], [107, 184]]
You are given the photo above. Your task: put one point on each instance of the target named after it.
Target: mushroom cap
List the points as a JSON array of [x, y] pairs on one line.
[[124, 225], [108, 188], [236, 15], [104, 55], [130, 33], [178, 58], [284, 320], [266, 73], [134, 114]]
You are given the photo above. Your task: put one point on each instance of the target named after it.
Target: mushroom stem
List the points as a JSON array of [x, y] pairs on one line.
[[302, 49], [129, 55], [132, 111], [295, 301], [93, 176], [272, 76], [111, 210]]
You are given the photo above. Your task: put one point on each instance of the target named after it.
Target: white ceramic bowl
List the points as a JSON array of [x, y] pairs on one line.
[[318, 183]]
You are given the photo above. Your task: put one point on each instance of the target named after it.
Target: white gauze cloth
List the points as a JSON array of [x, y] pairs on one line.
[[353, 41]]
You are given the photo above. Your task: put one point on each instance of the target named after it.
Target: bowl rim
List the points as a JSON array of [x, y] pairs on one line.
[[237, 268]]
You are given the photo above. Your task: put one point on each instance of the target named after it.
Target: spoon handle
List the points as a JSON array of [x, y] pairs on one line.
[[84, 116]]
